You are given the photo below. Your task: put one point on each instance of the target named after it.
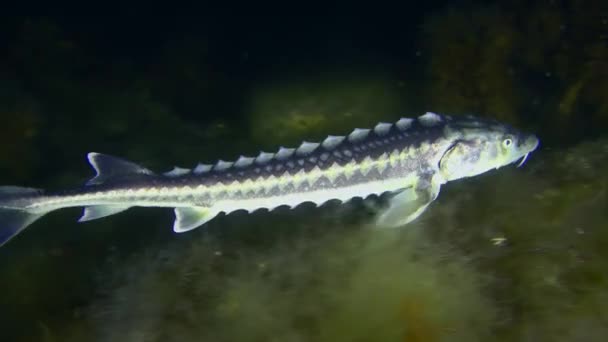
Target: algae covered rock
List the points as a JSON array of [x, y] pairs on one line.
[[332, 286]]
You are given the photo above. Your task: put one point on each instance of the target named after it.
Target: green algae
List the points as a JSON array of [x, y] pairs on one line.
[[469, 63], [308, 107], [552, 221], [363, 286], [546, 70]]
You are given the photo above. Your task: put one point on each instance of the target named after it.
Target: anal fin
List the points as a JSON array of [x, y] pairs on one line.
[[94, 212], [409, 203], [188, 218]]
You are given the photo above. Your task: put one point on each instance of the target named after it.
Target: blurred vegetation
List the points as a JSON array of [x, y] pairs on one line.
[[541, 238], [517, 255], [542, 63], [338, 284], [307, 108]]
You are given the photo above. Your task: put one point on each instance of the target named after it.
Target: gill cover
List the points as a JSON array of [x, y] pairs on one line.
[[460, 160]]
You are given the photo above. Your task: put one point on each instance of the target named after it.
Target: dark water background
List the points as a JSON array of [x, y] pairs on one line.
[[516, 255]]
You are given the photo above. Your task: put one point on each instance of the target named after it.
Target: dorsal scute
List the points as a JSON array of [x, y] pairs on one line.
[[307, 148], [177, 171], [284, 153], [404, 123], [332, 141], [243, 161], [222, 165], [382, 128], [264, 157], [202, 168], [430, 119], [358, 134]]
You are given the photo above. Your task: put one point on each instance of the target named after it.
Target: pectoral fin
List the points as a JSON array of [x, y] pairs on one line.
[[408, 204]]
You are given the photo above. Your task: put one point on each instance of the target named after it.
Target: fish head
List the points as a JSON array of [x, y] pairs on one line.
[[484, 146]]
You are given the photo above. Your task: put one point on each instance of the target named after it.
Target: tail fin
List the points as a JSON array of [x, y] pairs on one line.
[[14, 219]]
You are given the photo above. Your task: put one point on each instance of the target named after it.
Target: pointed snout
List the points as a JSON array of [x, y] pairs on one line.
[[529, 143]]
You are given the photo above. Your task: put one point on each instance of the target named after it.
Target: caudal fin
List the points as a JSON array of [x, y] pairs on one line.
[[13, 218]]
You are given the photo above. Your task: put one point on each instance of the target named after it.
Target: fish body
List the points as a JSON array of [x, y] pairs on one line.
[[410, 158]]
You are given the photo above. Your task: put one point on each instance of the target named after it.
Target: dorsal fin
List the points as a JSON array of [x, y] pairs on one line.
[[109, 167]]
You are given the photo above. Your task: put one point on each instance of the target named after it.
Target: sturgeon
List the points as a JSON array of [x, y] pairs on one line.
[[410, 158]]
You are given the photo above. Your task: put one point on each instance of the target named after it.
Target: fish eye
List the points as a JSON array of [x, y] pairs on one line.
[[507, 142]]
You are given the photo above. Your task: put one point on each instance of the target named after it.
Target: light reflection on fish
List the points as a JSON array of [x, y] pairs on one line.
[[411, 158]]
